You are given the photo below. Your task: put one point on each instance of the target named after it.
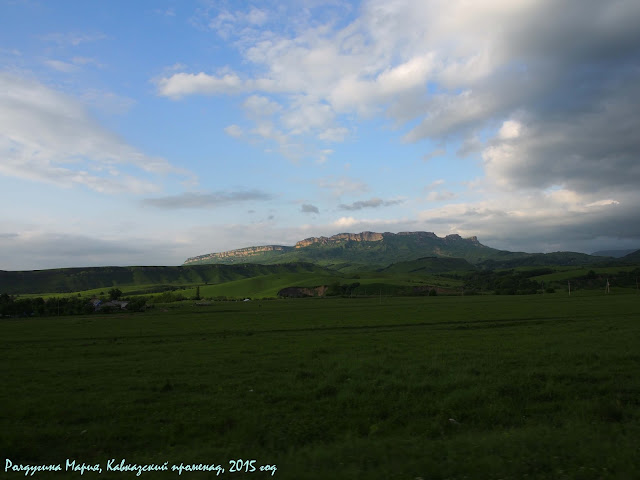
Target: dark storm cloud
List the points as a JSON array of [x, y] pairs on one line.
[[569, 74], [549, 228]]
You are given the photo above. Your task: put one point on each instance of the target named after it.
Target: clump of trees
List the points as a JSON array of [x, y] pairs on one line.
[[14, 306], [502, 283], [26, 307]]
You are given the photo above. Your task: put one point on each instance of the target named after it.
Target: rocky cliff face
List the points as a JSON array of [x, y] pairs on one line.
[[375, 237], [240, 252], [341, 237], [416, 234]]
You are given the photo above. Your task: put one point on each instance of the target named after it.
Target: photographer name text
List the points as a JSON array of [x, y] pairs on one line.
[[123, 466]]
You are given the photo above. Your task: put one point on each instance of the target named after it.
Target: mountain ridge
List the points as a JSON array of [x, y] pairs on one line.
[[353, 251], [298, 252]]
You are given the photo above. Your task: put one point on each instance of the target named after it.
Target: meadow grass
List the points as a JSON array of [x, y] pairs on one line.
[[482, 387]]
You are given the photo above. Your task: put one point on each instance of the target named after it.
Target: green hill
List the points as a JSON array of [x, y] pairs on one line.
[[633, 258], [64, 280], [543, 260], [613, 253], [430, 265]]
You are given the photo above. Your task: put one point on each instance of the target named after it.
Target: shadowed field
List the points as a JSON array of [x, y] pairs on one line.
[[380, 388]]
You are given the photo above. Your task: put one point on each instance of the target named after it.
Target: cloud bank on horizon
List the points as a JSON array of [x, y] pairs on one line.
[[137, 135]]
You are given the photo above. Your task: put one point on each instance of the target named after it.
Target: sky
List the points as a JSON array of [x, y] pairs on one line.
[[147, 132]]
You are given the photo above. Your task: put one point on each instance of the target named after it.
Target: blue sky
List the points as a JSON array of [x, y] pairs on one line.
[[147, 132]]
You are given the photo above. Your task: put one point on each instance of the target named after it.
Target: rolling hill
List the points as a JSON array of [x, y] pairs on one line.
[[614, 253], [430, 265], [543, 260], [64, 280], [631, 258]]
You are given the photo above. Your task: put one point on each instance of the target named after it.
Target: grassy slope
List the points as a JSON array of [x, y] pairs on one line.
[[633, 257], [430, 265], [544, 260], [539, 387], [567, 273], [100, 278]]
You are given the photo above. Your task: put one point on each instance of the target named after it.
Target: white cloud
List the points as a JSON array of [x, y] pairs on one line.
[[451, 68], [261, 106], [233, 131], [440, 196], [510, 129], [61, 66], [602, 203], [180, 84], [47, 136], [345, 222], [342, 185], [333, 134]]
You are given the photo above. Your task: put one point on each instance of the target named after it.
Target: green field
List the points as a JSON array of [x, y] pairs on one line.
[[447, 387]]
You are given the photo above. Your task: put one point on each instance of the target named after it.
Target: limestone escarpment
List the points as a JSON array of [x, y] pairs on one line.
[[341, 237], [240, 252]]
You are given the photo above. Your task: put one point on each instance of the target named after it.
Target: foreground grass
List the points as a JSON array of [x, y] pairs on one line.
[[445, 387]]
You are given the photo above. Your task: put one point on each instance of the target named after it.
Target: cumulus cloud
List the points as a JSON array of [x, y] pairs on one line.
[[444, 66], [49, 137], [591, 149], [261, 106], [207, 200], [181, 84]]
